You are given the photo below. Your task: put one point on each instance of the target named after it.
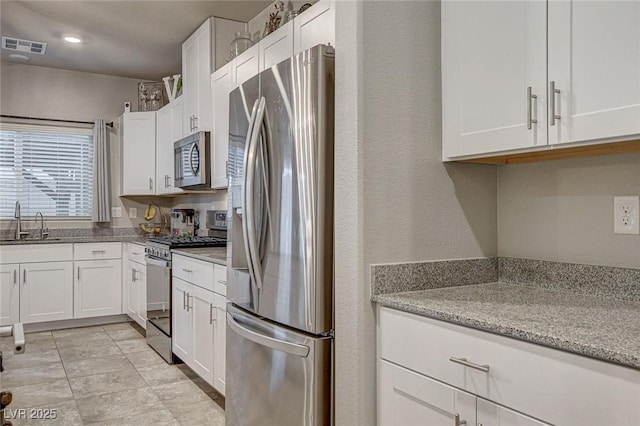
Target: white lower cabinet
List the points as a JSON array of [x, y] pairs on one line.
[[46, 292], [97, 290], [199, 323], [181, 321], [134, 290], [202, 307], [9, 294], [220, 346], [52, 282], [427, 368], [490, 414], [408, 398]]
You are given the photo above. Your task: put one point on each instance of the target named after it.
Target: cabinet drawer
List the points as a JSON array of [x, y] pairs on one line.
[[552, 385], [135, 253], [193, 271], [36, 253], [94, 251], [220, 279]]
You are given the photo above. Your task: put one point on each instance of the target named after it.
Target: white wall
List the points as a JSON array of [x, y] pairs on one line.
[[563, 210], [395, 200]]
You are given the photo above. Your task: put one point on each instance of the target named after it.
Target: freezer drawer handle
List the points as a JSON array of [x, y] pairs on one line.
[[270, 342]]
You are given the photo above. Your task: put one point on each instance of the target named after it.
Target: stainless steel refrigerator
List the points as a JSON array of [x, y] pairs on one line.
[[280, 250]]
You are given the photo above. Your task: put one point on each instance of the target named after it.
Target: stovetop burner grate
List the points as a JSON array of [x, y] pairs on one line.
[[194, 241]]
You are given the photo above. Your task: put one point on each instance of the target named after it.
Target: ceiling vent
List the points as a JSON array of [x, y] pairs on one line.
[[24, 45]]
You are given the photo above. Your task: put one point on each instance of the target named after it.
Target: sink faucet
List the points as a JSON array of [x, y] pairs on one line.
[[19, 231], [43, 234]]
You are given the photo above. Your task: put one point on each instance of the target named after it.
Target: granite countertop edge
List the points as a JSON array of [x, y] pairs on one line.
[[421, 308], [204, 258], [70, 240]]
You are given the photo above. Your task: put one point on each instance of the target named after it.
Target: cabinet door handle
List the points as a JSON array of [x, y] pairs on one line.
[[188, 297], [226, 169], [150, 183], [78, 273], [15, 273], [184, 300], [552, 102], [466, 363], [530, 98], [24, 276], [133, 275], [195, 122], [457, 421], [211, 318]]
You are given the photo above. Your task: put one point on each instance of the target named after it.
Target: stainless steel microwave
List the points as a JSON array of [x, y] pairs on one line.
[[191, 161]]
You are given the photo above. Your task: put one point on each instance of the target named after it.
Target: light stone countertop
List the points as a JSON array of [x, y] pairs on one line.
[[68, 240], [208, 254], [596, 327]]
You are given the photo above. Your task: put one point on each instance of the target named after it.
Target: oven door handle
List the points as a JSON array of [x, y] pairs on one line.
[[157, 262]]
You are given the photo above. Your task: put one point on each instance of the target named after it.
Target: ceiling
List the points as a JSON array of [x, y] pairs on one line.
[[137, 39]]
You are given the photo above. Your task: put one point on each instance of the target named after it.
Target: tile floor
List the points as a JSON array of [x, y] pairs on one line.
[[104, 375]]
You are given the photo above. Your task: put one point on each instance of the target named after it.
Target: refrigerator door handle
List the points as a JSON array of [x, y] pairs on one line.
[[251, 236], [280, 345], [245, 190]]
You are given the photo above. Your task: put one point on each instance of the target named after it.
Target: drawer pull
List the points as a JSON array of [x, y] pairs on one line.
[[188, 271], [457, 421], [98, 251], [463, 361]]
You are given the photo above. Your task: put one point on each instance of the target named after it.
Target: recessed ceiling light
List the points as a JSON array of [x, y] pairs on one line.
[[18, 58], [72, 39]]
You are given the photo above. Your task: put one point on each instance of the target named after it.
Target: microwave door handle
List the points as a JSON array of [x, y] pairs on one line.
[[279, 345], [252, 239], [246, 189]]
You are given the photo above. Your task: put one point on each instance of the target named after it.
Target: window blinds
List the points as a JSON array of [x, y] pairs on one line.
[[48, 169]]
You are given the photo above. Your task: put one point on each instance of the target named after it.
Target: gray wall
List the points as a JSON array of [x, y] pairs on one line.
[[52, 93], [563, 210], [396, 200]]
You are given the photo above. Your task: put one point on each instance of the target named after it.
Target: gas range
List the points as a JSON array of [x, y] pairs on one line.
[[160, 247], [160, 287]]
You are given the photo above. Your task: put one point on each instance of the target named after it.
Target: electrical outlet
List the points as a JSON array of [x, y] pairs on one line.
[[133, 212], [116, 211], [625, 215]]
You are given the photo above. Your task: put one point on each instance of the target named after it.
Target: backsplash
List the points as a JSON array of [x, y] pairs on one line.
[[399, 277], [593, 280]]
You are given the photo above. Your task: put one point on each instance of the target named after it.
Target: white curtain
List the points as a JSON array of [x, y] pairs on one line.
[[101, 199]]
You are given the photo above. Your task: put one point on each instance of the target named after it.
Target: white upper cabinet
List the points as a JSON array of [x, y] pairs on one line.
[[527, 76], [493, 76], [220, 87], [138, 153], [203, 52], [196, 67], [277, 47], [168, 130], [314, 26], [594, 63], [245, 66]]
